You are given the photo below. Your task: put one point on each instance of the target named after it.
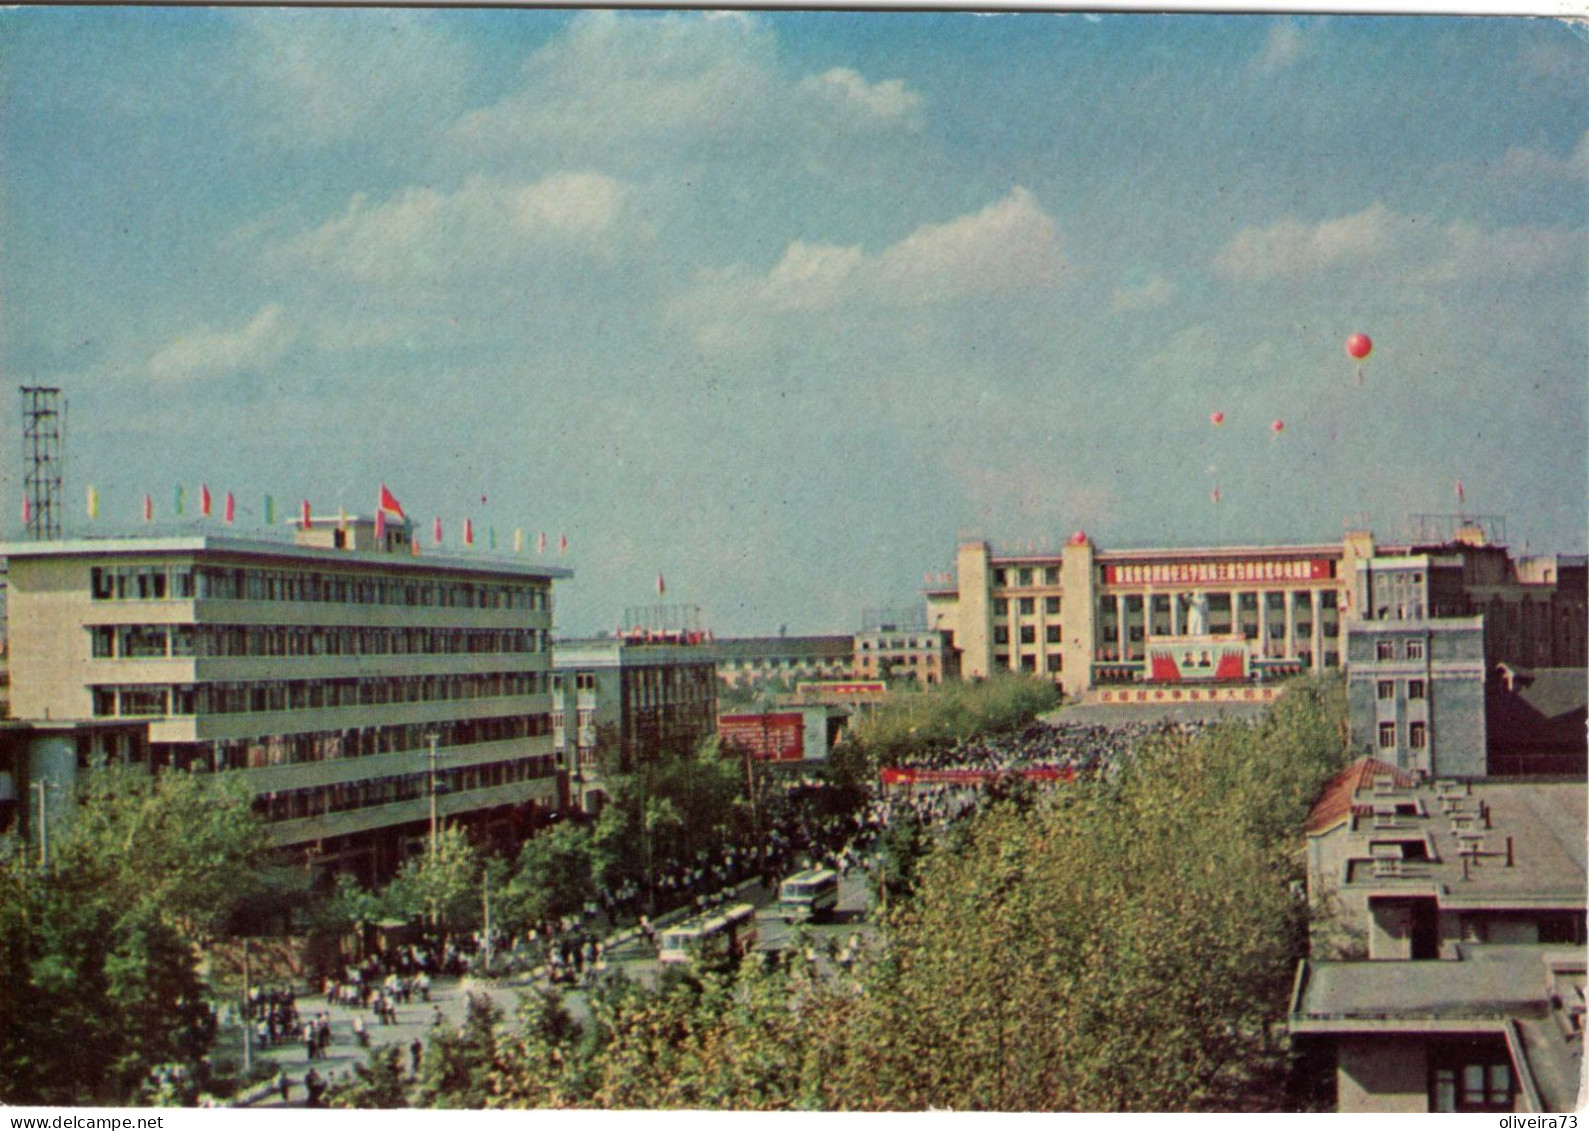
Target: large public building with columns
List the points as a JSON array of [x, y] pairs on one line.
[[1220, 619]]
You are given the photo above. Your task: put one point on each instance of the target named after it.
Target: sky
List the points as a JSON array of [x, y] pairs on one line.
[[782, 305]]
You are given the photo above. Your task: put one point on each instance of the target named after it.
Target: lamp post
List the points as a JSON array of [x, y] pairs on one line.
[[432, 737]]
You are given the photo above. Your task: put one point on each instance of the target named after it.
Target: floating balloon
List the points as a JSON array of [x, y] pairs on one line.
[[1358, 347], [1217, 419], [1278, 427]]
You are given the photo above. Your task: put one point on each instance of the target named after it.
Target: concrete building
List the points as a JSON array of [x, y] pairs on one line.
[[1092, 618], [346, 680], [1416, 693], [1087, 617], [1447, 962], [625, 703], [780, 661]]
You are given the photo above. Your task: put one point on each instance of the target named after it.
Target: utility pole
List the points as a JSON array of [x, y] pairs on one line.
[[485, 896], [248, 1020], [433, 795]]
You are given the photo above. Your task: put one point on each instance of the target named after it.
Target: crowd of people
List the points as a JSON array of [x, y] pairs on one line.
[[1080, 747]]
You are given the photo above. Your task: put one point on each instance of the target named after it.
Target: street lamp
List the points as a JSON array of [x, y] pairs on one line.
[[432, 737]]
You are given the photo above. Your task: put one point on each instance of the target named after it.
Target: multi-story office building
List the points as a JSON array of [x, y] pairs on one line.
[[625, 703], [347, 681], [1087, 617], [1416, 693], [756, 661], [1447, 931]]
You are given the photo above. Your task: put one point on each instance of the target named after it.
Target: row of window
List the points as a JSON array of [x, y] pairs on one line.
[[650, 687], [1386, 649], [1416, 689], [332, 745], [1053, 663], [217, 583], [1417, 736], [153, 641], [318, 801], [1025, 576], [230, 698]]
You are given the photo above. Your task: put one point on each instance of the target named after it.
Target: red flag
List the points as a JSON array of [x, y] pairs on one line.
[[388, 502], [540, 543], [1462, 496], [468, 532], [437, 536], [562, 544], [204, 500], [27, 511], [1216, 492], [662, 586], [148, 508], [380, 525], [306, 514], [231, 508]]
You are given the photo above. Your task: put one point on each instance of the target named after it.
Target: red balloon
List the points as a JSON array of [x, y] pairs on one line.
[[1217, 419], [1278, 427], [1359, 346]]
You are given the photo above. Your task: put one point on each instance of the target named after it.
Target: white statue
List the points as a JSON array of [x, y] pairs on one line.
[[1197, 615]]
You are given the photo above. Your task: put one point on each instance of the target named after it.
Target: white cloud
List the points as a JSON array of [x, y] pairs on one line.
[[323, 77], [1522, 163], [1281, 49], [863, 103], [1156, 292], [220, 353], [1010, 246], [423, 234], [649, 84], [1416, 250]]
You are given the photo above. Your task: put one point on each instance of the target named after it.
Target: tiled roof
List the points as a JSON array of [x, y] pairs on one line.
[[1336, 800]]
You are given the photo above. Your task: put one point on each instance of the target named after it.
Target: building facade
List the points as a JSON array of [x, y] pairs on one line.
[[1088, 617], [624, 704], [1447, 930], [349, 683], [780, 661], [1415, 689]]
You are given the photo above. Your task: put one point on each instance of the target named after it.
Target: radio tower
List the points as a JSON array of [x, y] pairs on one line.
[[43, 433]]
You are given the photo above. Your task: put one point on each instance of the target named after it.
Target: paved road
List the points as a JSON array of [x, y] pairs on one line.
[[449, 996]]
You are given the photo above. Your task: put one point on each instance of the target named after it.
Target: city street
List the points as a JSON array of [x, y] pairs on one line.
[[449, 996]]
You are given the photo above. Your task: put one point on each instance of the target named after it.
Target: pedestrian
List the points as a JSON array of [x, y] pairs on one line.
[[284, 1085], [415, 1052], [360, 1033], [315, 1085]]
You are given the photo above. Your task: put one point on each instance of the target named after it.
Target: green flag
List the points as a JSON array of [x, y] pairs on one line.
[[179, 501], [270, 511]]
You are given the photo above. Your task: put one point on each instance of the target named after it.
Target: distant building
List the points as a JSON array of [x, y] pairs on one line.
[[1538, 721], [627, 703], [1416, 692], [344, 679], [1447, 967], [780, 661]]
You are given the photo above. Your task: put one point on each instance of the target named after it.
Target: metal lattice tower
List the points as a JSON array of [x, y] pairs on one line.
[[43, 439]]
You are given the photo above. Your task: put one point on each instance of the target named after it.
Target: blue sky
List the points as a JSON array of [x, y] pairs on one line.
[[781, 304]]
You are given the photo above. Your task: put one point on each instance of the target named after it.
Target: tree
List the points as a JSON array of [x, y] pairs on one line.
[[442, 886], [459, 1065], [555, 875], [377, 1083]]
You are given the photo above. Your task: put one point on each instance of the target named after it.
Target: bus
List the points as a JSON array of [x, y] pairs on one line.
[[727, 934], [812, 894]]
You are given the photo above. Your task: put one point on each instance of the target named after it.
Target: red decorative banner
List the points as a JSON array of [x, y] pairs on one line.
[[773, 737], [1194, 573]]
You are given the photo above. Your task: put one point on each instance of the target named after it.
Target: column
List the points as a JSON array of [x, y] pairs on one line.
[[1175, 604], [1288, 597], [1121, 634], [1263, 624], [1316, 639]]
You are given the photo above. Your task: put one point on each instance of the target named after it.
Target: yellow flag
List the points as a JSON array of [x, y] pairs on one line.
[[93, 503]]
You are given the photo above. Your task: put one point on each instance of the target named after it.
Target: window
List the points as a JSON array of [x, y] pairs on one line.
[[1025, 577], [1387, 689], [1415, 689], [1051, 606], [1415, 649], [1001, 607], [1471, 1076], [1053, 662], [1051, 576], [1052, 633], [1001, 577], [1418, 735], [1001, 634], [1385, 650], [1028, 606], [1028, 663], [1387, 736], [1028, 634]]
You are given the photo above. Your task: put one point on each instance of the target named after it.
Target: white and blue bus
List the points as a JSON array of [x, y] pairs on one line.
[[812, 894]]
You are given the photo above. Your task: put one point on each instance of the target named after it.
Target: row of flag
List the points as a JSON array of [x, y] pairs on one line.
[[386, 504]]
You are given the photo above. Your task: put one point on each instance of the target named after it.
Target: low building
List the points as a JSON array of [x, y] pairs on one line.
[[1416, 693], [624, 703], [779, 662], [1447, 962]]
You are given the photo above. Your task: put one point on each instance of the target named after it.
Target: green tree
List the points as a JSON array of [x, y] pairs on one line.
[[377, 1083], [460, 1065], [555, 875], [442, 886]]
